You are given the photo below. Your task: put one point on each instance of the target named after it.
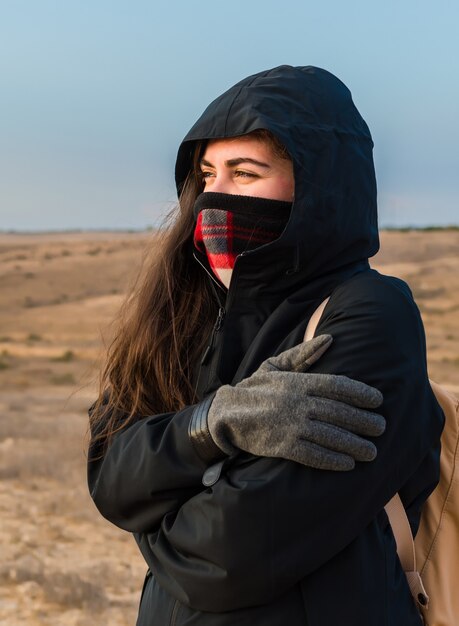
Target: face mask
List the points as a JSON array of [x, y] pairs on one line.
[[229, 224]]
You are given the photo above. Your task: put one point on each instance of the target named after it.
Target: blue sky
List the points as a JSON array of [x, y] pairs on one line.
[[97, 95]]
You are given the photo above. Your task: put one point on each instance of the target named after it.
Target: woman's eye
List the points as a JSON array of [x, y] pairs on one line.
[[205, 176], [242, 174]]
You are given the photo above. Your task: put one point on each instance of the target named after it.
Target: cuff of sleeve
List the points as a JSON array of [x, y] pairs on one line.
[[200, 437]]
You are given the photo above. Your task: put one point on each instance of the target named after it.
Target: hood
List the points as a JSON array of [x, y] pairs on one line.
[[333, 222]]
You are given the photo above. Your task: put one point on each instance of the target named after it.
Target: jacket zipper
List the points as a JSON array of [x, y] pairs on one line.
[[217, 326], [210, 348], [220, 318]]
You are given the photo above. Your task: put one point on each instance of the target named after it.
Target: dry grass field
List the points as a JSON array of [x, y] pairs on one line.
[[62, 564]]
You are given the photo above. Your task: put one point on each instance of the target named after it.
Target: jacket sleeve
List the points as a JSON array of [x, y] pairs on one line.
[[267, 523], [150, 469]]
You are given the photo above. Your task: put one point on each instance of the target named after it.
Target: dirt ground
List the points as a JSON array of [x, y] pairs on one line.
[[62, 563]]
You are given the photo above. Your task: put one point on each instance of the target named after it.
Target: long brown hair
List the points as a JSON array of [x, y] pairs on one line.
[[163, 325]]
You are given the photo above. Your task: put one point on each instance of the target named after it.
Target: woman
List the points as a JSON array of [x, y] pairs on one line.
[[211, 442]]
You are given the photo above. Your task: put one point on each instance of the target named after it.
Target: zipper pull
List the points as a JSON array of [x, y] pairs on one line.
[[206, 354], [220, 318], [218, 324]]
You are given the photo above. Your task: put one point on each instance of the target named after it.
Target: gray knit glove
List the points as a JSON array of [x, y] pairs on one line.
[[280, 411]]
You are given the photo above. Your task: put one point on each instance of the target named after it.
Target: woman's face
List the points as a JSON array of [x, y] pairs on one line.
[[246, 166]]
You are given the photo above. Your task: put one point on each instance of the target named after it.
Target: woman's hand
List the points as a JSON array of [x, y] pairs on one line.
[[281, 411]]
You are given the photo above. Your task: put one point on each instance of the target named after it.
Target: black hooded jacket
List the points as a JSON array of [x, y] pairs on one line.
[[273, 542]]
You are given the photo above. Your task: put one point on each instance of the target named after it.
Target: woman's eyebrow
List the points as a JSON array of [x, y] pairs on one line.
[[238, 161], [232, 162]]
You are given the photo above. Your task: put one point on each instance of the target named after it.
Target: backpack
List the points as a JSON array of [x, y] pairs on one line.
[[431, 560]]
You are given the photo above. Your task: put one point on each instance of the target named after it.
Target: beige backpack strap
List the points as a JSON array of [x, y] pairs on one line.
[[405, 549], [402, 533], [314, 321]]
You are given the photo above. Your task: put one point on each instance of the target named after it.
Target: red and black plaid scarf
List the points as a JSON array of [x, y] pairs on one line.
[[229, 224]]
